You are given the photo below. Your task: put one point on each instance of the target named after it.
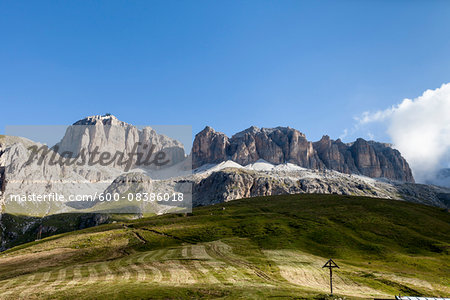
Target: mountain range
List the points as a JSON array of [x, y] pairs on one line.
[[287, 145], [254, 162]]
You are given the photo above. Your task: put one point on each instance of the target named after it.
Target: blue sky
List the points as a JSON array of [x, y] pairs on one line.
[[311, 65]]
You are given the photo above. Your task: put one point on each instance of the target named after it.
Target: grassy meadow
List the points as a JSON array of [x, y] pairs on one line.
[[264, 247]]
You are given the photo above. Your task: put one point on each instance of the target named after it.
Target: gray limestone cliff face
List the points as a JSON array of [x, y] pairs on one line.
[[287, 145], [108, 134], [363, 157], [209, 147], [277, 145], [231, 183]]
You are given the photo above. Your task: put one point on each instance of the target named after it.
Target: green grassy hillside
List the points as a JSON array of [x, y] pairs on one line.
[[266, 247]]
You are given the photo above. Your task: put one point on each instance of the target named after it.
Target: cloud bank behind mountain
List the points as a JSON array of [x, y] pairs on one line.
[[420, 129]]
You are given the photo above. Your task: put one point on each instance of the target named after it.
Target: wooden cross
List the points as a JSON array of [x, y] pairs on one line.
[[330, 264]]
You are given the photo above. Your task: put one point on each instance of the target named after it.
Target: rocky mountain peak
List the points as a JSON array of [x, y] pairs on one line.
[[275, 145], [325, 140], [210, 146], [287, 145], [249, 131], [208, 128], [106, 119], [106, 133]]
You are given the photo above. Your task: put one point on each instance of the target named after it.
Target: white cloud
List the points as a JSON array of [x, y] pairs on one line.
[[419, 129], [344, 134], [381, 115]]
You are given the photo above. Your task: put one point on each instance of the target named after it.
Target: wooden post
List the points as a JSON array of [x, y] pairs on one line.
[[330, 264], [331, 281]]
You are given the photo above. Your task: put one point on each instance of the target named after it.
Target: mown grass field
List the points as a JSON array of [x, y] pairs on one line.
[[265, 247]]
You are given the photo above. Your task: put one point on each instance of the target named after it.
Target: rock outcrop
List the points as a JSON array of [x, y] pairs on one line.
[[363, 157], [287, 145], [209, 147], [108, 134], [235, 183], [276, 145], [25, 172]]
